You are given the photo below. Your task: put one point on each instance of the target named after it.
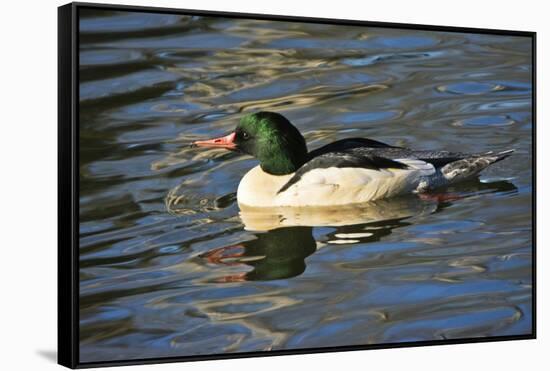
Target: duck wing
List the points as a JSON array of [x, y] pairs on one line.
[[440, 159], [351, 158], [454, 166], [437, 158], [373, 155], [359, 146]]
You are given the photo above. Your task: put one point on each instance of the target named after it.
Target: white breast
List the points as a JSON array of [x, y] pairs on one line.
[[258, 188], [331, 186]]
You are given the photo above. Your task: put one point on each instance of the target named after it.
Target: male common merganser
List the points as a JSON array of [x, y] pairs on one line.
[[354, 170]]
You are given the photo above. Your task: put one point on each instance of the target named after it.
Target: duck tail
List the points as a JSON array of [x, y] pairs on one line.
[[504, 154], [471, 166]]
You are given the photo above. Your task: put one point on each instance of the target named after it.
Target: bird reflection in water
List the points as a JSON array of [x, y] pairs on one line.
[[284, 236], [275, 254]]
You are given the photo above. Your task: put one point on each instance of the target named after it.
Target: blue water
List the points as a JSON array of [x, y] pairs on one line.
[[169, 265]]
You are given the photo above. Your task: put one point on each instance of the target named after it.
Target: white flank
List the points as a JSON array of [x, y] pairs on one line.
[[331, 186]]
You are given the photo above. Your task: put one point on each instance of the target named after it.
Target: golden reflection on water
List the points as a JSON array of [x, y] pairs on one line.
[[265, 219]]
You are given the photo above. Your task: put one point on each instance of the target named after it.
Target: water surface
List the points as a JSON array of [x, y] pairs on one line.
[[169, 266]]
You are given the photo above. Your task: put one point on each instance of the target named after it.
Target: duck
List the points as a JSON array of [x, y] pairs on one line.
[[345, 172]]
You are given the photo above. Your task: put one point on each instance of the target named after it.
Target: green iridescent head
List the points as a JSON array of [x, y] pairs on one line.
[[273, 140]]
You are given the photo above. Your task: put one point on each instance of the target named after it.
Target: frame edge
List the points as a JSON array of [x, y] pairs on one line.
[[68, 339], [306, 19], [67, 335]]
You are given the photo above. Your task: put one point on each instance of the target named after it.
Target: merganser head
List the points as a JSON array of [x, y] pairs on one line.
[[270, 138]]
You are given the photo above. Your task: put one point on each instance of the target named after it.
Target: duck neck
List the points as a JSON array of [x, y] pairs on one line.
[[284, 160]]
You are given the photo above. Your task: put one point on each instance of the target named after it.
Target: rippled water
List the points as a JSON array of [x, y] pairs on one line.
[[168, 265]]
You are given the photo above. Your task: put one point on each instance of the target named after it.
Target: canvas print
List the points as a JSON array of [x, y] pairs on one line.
[[253, 185]]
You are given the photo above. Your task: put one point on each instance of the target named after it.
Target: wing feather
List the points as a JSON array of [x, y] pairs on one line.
[[344, 160]]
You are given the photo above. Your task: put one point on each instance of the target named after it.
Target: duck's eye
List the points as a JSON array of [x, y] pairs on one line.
[[245, 135]]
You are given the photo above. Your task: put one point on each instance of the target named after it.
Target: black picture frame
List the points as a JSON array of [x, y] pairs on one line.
[[68, 182]]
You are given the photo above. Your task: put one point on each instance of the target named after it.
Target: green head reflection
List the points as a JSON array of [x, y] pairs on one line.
[[275, 254]]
